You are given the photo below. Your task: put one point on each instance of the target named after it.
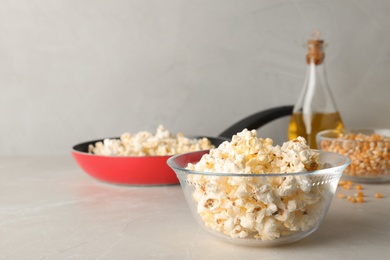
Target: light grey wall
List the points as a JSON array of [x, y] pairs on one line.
[[78, 70]]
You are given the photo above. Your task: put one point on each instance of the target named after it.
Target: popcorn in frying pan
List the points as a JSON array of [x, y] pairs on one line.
[[146, 144]]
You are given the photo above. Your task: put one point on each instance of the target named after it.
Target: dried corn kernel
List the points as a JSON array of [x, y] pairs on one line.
[[369, 154], [359, 187], [346, 187], [341, 183], [359, 196], [378, 195], [360, 199]]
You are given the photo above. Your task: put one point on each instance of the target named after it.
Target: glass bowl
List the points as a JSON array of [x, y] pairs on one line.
[[259, 209], [368, 150]]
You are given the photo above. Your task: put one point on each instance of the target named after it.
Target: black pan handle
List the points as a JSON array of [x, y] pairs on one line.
[[257, 120]]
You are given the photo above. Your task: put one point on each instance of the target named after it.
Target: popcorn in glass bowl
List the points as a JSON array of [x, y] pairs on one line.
[[249, 191]]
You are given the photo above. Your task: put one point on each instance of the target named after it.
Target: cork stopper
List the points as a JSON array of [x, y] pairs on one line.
[[315, 49]]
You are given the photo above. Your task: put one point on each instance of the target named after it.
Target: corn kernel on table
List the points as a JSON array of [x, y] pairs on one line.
[[51, 209]]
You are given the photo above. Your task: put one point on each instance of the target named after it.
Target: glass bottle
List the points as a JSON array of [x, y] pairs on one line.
[[315, 109]]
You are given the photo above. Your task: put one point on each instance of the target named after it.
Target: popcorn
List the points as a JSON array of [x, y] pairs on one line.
[[146, 144], [263, 208]]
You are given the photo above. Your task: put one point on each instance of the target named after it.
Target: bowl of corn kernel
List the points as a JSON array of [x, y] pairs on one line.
[[138, 158], [368, 150], [248, 191]]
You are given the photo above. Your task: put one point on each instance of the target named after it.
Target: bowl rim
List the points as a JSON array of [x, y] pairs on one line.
[[345, 162], [380, 131], [76, 149]]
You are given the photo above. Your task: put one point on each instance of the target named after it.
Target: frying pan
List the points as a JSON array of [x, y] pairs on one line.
[[129, 170], [153, 170]]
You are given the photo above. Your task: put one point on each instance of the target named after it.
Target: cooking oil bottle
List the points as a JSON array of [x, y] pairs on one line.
[[315, 109]]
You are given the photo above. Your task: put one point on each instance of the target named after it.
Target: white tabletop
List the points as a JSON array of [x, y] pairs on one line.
[[51, 209]]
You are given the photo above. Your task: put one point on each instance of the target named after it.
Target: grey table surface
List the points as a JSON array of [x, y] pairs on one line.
[[51, 209]]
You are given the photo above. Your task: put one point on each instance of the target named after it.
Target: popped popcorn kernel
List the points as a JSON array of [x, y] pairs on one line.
[[262, 208], [146, 144]]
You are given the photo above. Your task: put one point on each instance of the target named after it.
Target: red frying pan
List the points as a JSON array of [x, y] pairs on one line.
[[153, 170]]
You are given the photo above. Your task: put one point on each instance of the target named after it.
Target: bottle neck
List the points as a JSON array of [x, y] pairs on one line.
[[315, 52], [315, 96]]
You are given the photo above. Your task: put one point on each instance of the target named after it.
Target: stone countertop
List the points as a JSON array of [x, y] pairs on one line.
[[51, 209]]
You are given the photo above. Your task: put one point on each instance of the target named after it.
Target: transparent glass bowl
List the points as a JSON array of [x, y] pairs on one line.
[[259, 209], [370, 159]]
